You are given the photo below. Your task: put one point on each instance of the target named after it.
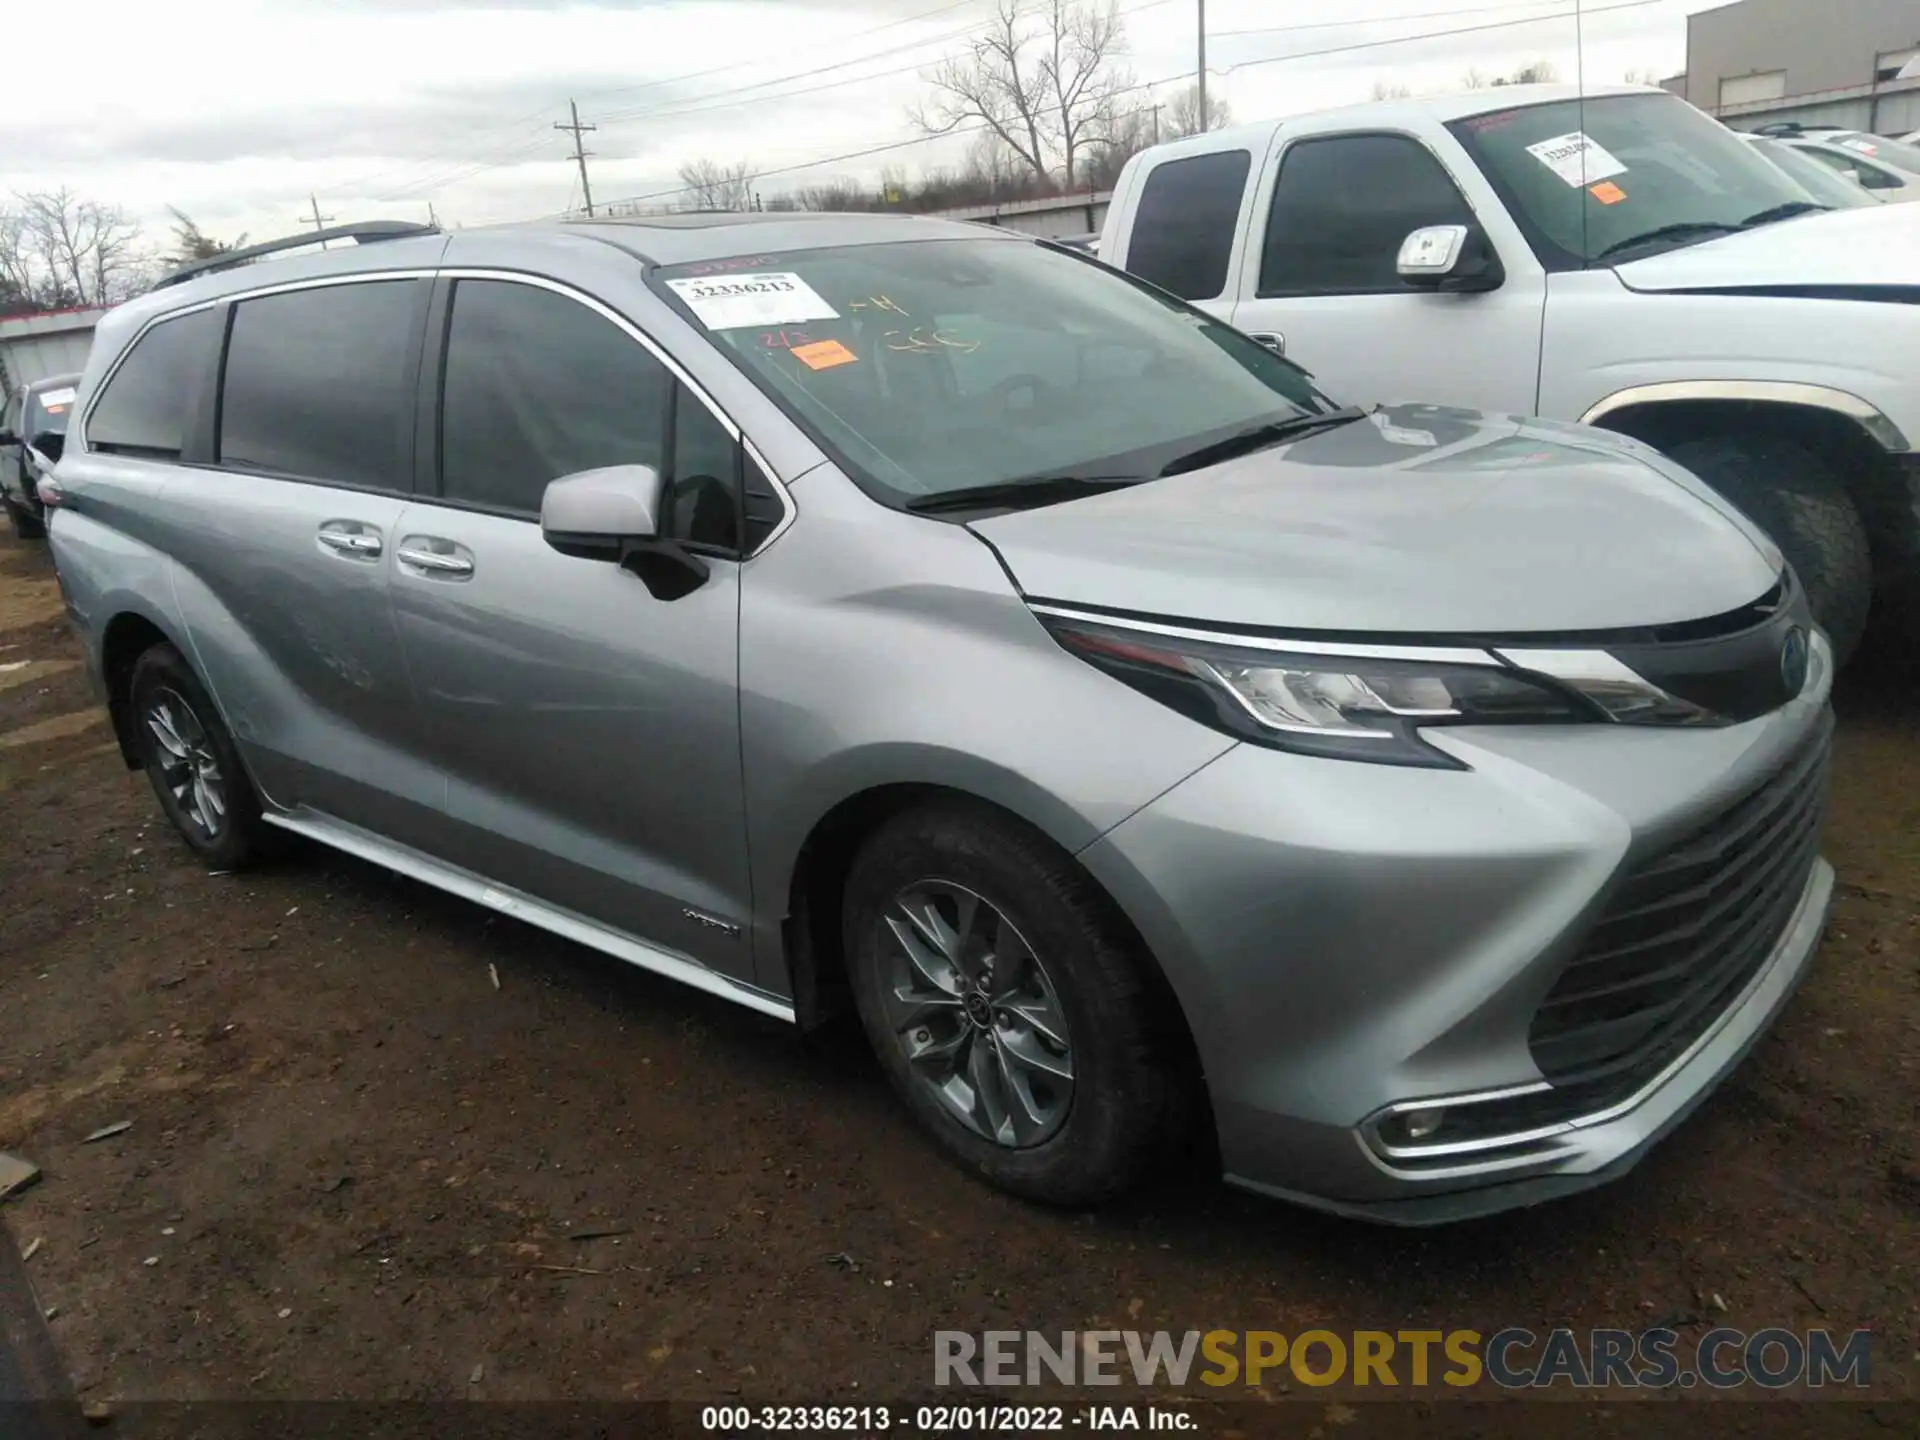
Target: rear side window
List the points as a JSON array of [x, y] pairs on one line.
[[537, 386], [1341, 209], [1183, 228], [316, 384], [148, 405]]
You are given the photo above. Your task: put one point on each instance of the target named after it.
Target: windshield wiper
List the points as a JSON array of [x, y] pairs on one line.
[[1027, 490], [1679, 230], [1259, 437], [1784, 211]]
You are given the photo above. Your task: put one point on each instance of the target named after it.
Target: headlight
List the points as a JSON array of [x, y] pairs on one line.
[[1355, 704]]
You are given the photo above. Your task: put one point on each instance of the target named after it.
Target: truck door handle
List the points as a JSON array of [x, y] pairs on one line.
[[433, 562], [1272, 339], [355, 544]]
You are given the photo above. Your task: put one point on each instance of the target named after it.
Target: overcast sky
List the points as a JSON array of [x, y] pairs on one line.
[[236, 111]]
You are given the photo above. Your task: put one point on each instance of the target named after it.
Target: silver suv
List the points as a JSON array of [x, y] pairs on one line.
[[1415, 810]]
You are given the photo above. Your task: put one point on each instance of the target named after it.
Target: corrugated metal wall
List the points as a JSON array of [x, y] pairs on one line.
[[33, 347]]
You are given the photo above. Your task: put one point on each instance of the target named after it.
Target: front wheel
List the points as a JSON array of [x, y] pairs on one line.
[[191, 761], [1794, 495], [1009, 1006]]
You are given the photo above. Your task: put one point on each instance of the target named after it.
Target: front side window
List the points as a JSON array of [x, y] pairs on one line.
[[1850, 166], [537, 386], [1183, 229], [1619, 177], [1341, 209], [1828, 186], [934, 366], [1895, 154], [147, 405], [316, 384]]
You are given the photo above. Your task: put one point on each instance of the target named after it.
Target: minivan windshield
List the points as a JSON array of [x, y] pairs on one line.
[[1619, 177], [47, 410], [1897, 153], [928, 367]]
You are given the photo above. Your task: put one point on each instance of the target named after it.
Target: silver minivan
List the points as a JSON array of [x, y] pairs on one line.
[[1416, 812]]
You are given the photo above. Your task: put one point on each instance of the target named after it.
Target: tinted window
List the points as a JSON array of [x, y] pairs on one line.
[[147, 405], [1183, 230], [1343, 206], [538, 386], [49, 410], [317, 384]]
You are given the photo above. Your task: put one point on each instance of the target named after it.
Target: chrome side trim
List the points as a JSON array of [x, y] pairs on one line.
[[1435, 654], [1773, 392], [508, 901], [1819, 880]]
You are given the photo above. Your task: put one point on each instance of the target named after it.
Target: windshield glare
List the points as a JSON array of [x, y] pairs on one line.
[[1650, 162], [930, 366]]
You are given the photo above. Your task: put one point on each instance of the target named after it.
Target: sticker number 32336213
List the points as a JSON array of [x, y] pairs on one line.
[[732, 302]]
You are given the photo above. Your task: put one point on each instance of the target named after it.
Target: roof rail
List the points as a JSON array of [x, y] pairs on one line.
[[366, 232]]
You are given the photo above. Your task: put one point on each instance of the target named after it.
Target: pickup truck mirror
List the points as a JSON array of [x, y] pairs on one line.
[[1453, 258]]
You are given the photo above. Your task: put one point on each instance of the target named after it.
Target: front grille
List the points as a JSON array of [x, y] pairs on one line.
[[1680, 938]]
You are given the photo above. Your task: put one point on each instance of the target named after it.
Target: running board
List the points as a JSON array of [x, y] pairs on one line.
[[504, 900]]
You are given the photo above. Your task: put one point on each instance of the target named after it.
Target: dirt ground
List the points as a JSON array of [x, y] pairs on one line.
[[357, 1169]]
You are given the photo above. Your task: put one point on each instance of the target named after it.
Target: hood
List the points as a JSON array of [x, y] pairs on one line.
[[1875, 245], [1416, 520]]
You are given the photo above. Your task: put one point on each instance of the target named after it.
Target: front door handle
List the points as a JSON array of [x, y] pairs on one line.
[[343, 537], [434, 562], [1272, 339]]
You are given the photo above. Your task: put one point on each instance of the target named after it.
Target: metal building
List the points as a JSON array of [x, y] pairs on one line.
[[1827, 62]]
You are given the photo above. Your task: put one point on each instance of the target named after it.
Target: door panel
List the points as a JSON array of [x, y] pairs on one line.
[[590, 733], [1319, 276]]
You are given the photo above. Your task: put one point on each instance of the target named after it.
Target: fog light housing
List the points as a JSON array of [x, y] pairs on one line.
[[1419, 1124]]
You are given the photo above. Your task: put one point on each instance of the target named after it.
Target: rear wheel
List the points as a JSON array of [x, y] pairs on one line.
[[1009, 1006], [1795, 496], [191, 761], [26, 524]]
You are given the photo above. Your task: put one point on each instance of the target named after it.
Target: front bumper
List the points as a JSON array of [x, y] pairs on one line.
[[1348, 938]]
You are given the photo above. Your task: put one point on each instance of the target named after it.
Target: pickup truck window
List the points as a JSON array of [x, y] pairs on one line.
[[1183, 228], [1341, 208], [1657, 174]]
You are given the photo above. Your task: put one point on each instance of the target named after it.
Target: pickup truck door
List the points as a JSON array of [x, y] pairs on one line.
[[1317, 272]]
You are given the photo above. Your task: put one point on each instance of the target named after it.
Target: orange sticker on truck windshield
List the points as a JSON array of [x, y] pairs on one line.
[[824, 355], [1607, 193]]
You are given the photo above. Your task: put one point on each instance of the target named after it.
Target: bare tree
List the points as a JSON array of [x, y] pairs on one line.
[[19, 284], [86, 252], [191, 243], [1043, 82], [1641, 75], [1534, 72], [1398, 90], [713, 186], [1183, 114]]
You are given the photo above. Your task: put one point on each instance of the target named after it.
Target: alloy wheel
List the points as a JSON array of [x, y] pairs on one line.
[[188, 766], [975, 1014]]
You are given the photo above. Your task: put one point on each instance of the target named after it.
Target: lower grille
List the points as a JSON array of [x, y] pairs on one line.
[[1680, 938]]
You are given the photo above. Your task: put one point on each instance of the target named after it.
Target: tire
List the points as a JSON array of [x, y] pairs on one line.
[[26, 524], [191, 762], [1794, 495], [1073, 960]]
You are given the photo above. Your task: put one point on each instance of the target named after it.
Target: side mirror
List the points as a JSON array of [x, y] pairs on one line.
[[613, 514], [50, 443], [1457, 259]]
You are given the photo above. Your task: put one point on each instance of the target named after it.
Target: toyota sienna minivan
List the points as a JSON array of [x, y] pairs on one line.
[[1416, 810]]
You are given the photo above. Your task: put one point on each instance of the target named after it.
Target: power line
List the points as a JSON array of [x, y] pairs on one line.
[[1386, 19], [579, 154]]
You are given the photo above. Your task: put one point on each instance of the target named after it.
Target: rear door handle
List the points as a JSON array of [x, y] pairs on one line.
[[1272, 339], [443, 564], [350, 538]]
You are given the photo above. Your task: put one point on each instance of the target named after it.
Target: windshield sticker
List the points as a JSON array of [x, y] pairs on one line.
[[1403, 435], [738, 301], [1865, 147], [1577, 158], [57, 400], [824, 355], [1607, 193]]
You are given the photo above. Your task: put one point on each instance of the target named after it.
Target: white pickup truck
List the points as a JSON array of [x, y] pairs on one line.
[[1616, 257]]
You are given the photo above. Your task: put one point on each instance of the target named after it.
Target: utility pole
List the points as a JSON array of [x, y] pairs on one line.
[[1204, 125], [1156, 122], [319, 221], [579, 155], [432, 218]]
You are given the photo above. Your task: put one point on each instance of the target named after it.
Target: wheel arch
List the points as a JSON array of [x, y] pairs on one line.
[[1866, 448], [125, 638], [811, 928]]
